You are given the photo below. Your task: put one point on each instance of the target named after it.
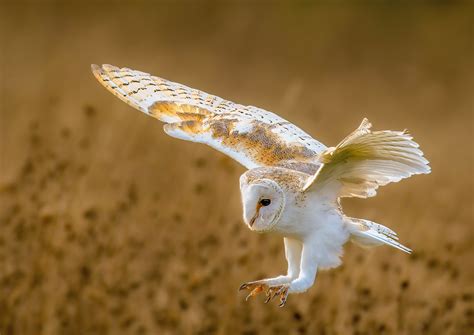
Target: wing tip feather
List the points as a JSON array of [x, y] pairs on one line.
[[97, 71], [365, 124], [95, 67]]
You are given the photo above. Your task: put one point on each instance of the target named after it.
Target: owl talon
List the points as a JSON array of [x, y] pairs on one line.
[[255, 288], [254, 292], [270, 291], [283, 298], [268, 298], [282, 291]]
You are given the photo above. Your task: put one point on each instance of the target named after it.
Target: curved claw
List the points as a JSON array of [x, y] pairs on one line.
[[271, 293], [243, 286], [254, 292], [249, 285], [283, 292], [254, 288]]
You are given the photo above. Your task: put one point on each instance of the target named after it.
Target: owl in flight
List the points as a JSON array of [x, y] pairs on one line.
[[293, 182]]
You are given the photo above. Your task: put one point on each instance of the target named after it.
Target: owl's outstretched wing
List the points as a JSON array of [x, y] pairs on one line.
[[365, 160], [252, 136]]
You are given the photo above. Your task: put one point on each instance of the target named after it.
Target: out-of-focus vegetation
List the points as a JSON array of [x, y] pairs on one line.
[[108, 226]]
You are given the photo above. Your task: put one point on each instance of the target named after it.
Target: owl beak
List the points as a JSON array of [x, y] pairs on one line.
[[252, 220]]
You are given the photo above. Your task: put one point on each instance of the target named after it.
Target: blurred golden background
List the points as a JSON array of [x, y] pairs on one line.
[[108, 226]]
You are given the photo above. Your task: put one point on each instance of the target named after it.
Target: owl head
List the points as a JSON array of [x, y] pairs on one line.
[[263, 203]]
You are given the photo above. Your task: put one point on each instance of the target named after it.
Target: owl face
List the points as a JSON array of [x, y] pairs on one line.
[[263, 203]]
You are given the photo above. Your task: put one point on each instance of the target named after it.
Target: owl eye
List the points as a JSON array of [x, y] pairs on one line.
[[265, 202]]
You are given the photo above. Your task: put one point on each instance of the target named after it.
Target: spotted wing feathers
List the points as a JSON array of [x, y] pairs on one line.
[[252, 136]]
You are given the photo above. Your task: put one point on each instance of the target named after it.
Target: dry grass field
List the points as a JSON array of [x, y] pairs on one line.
[[108, 226]]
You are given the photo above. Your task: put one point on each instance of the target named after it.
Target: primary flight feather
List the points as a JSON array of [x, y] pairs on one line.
[[293, 183]]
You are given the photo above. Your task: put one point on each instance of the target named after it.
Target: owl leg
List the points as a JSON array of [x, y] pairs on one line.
[[305, 279], [269, 286]]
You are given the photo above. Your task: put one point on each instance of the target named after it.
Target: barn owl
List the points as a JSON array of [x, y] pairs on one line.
[[293, 182]]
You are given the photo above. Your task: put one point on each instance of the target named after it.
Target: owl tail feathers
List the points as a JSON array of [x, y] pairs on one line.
[[370, 234]]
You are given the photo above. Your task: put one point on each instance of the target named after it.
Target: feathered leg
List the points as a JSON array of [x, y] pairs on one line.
[[305, 279], [293, 250]]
